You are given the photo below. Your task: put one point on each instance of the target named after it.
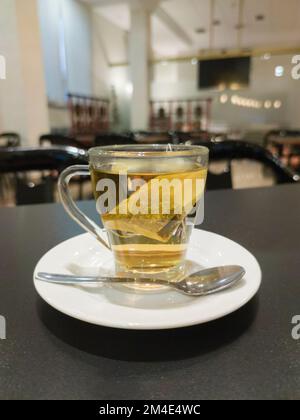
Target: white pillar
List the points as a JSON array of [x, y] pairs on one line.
[[139, 55], [23, 99]]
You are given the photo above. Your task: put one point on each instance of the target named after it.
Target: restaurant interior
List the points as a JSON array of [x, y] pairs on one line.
[[222, 75], [96, 73]]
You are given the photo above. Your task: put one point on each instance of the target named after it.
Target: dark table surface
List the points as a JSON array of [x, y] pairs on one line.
[[249, 354]]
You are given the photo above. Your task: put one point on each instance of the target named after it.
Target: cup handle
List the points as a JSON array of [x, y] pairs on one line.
[[70, 206]]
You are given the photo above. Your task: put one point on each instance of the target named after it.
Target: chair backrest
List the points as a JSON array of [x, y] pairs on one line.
[[61, 140], [10, 139], [24, 159], [232, 150]]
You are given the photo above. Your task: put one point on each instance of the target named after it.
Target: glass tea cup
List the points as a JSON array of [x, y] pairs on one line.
[[148, 198]]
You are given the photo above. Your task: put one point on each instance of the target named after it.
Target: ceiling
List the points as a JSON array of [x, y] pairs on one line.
[[174, 25]]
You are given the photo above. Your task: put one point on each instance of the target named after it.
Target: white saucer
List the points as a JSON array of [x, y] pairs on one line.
[[121, 307]]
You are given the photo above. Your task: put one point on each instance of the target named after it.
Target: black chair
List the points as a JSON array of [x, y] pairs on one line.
[[111, 139], [18, 161], [61, 140], [232, 150], [9, 139]]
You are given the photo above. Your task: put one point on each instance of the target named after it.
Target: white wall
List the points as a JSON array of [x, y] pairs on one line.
[[100, 64], [66, 27], [75, 59], [23, 104], [120, 79], [78, 38], [49, 16]]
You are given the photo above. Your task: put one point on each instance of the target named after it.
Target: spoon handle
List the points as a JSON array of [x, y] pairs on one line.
[[75, 280]]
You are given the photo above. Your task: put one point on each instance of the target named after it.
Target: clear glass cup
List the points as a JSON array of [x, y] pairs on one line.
[[148, 198]]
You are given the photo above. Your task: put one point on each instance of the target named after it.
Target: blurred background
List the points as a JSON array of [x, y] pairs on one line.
[[80, 73]]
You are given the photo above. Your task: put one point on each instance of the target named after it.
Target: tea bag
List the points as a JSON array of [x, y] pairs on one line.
[[159, 226]]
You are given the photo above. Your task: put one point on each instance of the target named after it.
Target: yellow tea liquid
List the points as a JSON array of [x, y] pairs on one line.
[[157, 240]]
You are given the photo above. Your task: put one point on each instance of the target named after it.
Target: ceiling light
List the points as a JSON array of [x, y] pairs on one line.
[[279, 71], [246, 102], [234, 99], [224, 99], [268, 104], [266, 56], [277, 104], [129, 88]]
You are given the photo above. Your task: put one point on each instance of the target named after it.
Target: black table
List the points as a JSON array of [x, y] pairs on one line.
[[249, 354]]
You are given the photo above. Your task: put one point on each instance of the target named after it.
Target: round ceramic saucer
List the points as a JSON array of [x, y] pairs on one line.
[[122, 307]]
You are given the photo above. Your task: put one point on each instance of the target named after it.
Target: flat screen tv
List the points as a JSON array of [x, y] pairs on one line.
[[224, 72]]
